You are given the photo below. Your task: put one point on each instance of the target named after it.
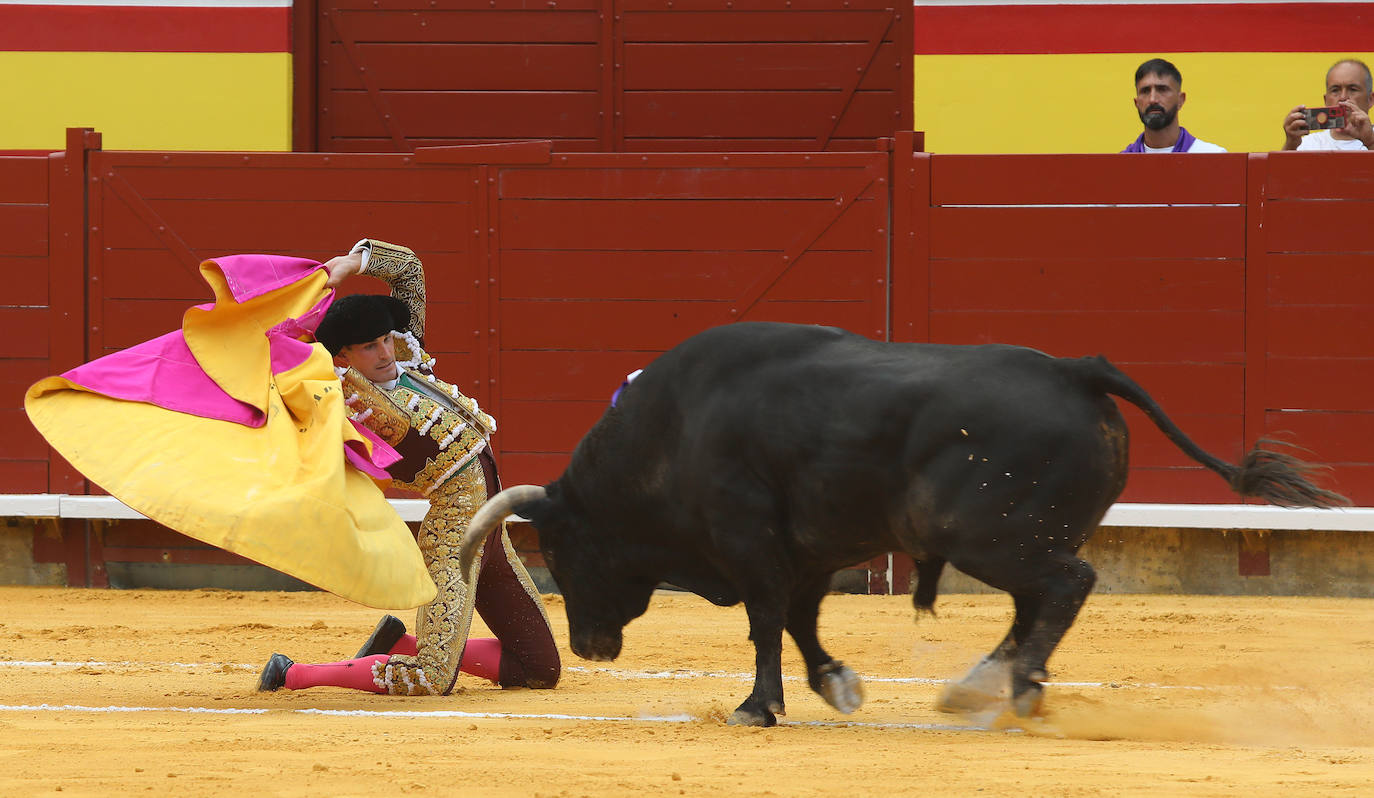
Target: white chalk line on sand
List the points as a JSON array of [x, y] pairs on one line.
[[458, 714], [613, 673]]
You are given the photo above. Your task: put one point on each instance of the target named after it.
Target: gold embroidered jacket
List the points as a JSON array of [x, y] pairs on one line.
[[437, 430]]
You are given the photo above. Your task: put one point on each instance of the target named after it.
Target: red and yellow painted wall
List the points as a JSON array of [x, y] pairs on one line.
[[1044, 77], [148, 74], [990, 77]]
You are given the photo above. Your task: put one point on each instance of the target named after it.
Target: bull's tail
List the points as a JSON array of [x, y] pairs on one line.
[[1275, 476]]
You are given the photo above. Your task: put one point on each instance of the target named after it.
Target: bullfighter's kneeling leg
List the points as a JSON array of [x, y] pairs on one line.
[[509, 604], [358, 674], [441, 627]]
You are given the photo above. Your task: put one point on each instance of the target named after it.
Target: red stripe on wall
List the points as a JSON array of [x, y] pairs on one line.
[[1193, 28], [144, 29]]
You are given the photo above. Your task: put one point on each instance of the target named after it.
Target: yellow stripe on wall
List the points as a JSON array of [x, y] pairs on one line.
[[148, 101], [1059, 103]]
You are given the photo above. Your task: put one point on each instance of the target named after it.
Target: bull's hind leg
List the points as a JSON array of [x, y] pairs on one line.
[[838, 685], [1064, 586], [988, 684]]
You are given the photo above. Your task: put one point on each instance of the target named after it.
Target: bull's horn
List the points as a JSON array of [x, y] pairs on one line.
[[490, 515]]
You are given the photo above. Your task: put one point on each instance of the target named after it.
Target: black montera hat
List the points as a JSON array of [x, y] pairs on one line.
[[359, 318]]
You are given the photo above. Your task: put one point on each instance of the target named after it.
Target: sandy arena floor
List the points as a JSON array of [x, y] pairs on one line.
[[111, 692]]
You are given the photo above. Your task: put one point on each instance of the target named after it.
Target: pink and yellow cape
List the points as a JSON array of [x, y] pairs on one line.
[[232, 430]]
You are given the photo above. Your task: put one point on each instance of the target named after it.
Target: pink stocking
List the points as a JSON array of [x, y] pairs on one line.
[[482, 658], [406, 646], [355, 674]]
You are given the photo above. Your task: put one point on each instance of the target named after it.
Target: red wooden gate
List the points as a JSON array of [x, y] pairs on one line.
[[601, 75], [606, 261]]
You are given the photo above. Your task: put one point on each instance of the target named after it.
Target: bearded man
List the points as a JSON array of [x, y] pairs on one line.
[[1159, 97]]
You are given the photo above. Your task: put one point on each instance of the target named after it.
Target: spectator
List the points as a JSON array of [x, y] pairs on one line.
[[1159, 97], [1348, 84]]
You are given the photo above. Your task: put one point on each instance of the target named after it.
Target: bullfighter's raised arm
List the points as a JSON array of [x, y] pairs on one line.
[[400, 268]]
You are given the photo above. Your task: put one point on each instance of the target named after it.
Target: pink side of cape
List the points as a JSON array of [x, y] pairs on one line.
[[165, 373]]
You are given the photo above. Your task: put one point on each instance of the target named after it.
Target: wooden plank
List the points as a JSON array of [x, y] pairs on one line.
[[23, 476], [21, 330], [21, 441], [537, 426], [680, 224], [1176, 486], [1085, 179], [1192, 388], [468, 114], [231, 180], [1307, 383], [1320, 279], [16, 375], [741, 142], [1220, 435], [470, 66], [24, 229], [1355, 482], [748, 66], [655, 326], [1328, 437], [1313, 331], [558, 376], [25, 279], [787, 177], [158, 274], [762, 26], [1143, 336], [1084, 232], [25, 179], [371, 145], [231, 226], [1325, 226], [1309, 175], [576, 274], [567, 23], [531, 468], [701, 114], [1108, 283], [133, 321]]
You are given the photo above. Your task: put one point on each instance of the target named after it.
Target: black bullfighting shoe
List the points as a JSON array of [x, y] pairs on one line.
[[274, 673], [389, 630]]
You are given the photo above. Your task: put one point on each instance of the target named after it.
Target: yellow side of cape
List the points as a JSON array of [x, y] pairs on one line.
[[281, 494]]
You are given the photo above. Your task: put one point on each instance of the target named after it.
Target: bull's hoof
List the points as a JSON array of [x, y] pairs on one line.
[[744, 717], [1027, 703], [986, 686], [841, 687], [754, 712]]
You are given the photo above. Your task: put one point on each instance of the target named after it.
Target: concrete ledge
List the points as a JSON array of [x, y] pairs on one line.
[[1239, 516], [58, 505], [1159, 516]]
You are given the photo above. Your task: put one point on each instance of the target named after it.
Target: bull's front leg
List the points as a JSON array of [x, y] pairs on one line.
[[765, 703]]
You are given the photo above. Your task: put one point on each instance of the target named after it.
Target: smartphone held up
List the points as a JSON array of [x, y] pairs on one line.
[[1326, 118]]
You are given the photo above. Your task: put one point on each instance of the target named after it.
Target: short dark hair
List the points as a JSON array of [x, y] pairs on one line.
[[1368, 81], [1158, 66]]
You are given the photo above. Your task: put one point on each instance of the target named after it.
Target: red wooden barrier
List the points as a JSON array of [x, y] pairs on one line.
[[1235, 288], [24, 315]]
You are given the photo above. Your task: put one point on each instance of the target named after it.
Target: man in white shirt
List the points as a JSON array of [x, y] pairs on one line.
[[1348, 84], [1158, 98]]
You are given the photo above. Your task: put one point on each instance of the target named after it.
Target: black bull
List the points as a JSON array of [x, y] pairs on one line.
[[754, 460]]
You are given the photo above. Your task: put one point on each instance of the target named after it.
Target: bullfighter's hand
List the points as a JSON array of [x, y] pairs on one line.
[[342, 267], [1357, 124], [1294, 128]]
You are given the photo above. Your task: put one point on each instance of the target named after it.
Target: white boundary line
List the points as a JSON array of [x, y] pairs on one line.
[[446, 713], [612, 673]]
